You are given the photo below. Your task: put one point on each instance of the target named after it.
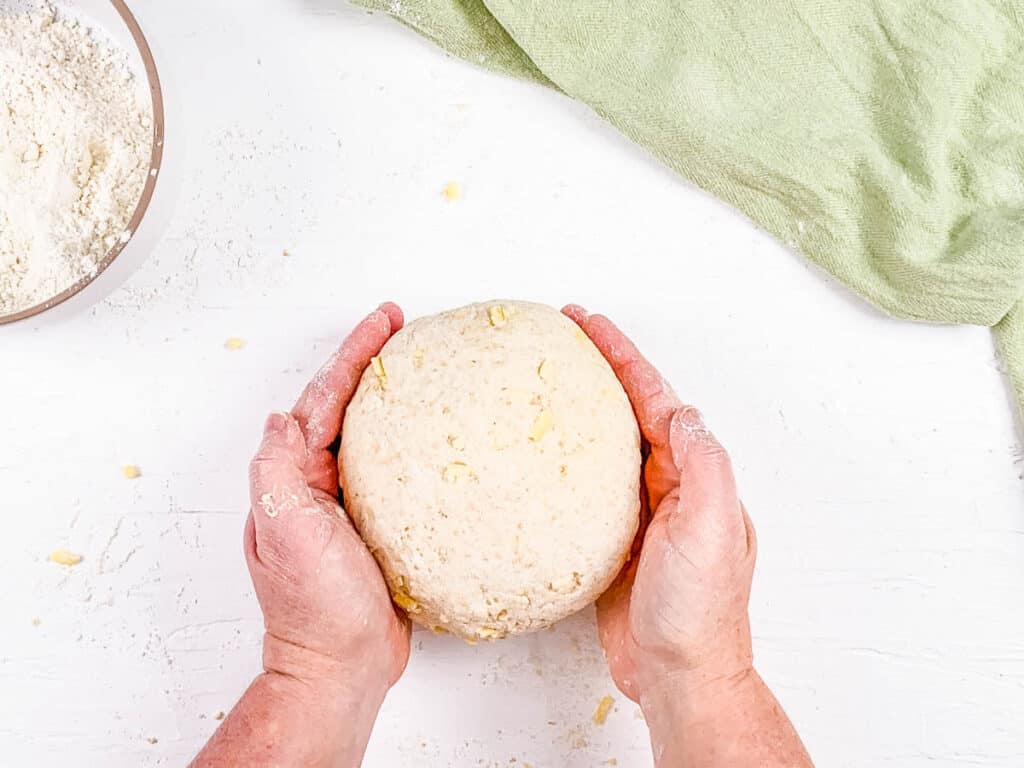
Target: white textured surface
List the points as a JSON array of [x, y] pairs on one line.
[[878, 459]]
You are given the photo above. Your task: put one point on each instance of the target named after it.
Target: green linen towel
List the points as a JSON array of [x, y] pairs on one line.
[[882, 139]]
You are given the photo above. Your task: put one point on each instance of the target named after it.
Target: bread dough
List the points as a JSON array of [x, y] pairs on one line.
[[491, 461]]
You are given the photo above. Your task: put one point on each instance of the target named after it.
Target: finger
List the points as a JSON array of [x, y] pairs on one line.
[[283, 507], [613, 605], [322, 404], [613, 627], [321, 472], [576, 313], [653, 400], [249, 541], [709, 509]]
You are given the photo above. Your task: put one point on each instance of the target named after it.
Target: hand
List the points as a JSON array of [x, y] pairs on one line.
[[327, 611], [677, 615]]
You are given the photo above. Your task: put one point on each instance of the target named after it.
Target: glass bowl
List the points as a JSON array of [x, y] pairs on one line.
[[114, 21]]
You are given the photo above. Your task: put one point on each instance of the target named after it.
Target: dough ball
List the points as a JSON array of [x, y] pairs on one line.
[[491, 461]]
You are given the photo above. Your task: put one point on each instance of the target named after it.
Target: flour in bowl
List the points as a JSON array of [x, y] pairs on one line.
[[75, 145]]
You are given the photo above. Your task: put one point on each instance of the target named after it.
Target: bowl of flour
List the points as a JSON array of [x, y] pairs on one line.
[[81, 142]]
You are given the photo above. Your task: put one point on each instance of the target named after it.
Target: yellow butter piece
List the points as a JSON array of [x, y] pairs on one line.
[[541, 425], [603, 708], [544, 370], [451, 191], [378, 370], [65, 557], [456, 471], [131, 472], [234, 344], [405, 602], [497, 315]]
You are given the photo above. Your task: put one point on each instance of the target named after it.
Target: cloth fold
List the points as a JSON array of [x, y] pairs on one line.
[[882, 139]]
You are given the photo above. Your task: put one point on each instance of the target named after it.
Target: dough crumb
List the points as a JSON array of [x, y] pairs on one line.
[[451, 191], [152, 739], [603, 708], [65, 557], [36, 621], [219, 716], [234, 344], [131, 472]]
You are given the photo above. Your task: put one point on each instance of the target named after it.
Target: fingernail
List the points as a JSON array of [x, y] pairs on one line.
[[276, 422]]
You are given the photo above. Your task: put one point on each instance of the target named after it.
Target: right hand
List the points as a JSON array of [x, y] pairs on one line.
[[678, 613]]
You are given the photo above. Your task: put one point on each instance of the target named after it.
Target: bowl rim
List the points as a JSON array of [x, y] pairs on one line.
[[156, 158]]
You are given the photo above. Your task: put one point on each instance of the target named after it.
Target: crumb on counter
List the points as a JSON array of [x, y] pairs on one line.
[[451, 191], [219, 716], [65, 557], [603, 708]]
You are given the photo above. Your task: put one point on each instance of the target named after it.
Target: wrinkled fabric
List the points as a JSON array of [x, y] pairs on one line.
[[882, 139]]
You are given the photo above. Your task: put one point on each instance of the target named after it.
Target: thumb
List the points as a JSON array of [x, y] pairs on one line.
[[708, 519], [287, 519]]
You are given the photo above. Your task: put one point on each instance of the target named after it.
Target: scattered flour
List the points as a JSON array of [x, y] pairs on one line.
[[75, 142]]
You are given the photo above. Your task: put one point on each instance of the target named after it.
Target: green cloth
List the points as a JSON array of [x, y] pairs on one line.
[[882, 139]]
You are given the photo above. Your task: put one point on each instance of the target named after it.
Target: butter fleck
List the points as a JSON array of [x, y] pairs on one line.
[[451, 191], [378, 369], [234, 344], [603, 708], [544, 370], [131, 472], [405, 602], [497, 315], [65, 557], [541, 425], [455, 471]]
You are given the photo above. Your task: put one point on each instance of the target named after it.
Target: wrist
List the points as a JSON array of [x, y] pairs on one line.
[[697, 695], [325, 679]]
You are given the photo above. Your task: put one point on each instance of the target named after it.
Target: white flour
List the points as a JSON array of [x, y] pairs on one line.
[[75, 142]]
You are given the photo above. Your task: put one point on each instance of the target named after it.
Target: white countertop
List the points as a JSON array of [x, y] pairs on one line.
[[879, 459]]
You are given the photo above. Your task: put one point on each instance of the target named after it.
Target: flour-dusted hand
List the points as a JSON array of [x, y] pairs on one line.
[[334, 643], [675, 627], [322, 593]]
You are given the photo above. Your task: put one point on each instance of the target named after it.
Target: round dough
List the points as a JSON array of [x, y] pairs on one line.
[[491, 461]]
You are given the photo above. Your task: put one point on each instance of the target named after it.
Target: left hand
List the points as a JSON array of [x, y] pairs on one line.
[[327, 611]]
